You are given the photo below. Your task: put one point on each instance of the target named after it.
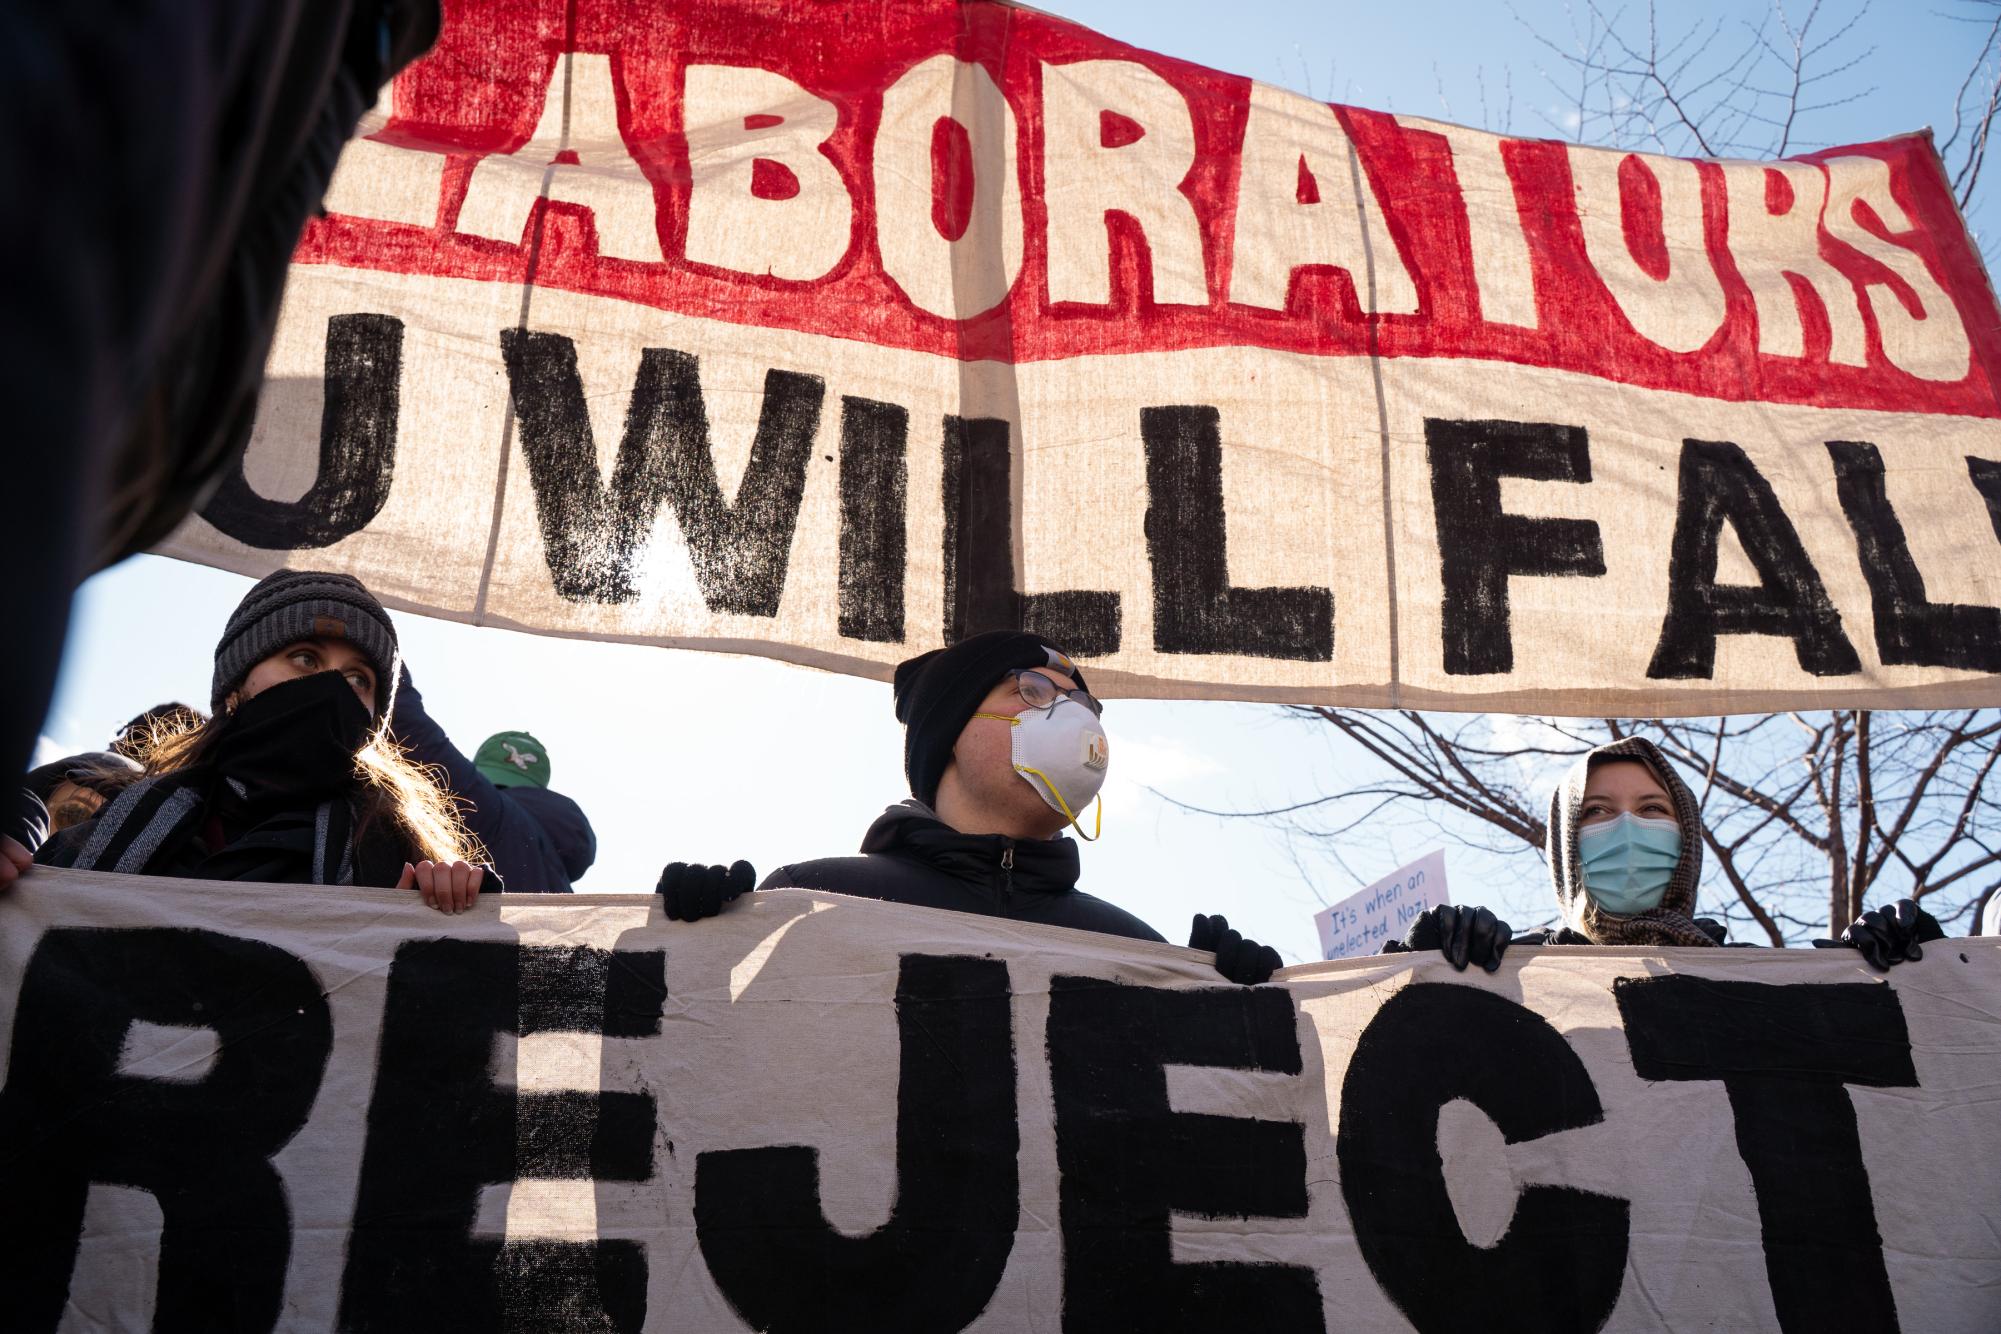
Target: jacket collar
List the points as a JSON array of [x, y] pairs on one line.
[[913, 830]]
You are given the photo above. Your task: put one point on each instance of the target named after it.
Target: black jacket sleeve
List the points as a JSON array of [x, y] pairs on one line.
[[516, 843]]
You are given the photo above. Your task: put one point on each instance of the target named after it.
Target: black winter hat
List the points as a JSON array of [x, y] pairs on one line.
[[938, 692], [291, 605]]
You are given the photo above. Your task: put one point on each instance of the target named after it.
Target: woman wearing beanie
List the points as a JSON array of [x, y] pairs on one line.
[[1624, 846], [291, 780]]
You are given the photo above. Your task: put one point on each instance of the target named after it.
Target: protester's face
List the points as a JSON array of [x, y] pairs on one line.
[[308, 656], [72, 804], [1624, 787], [985, 758]]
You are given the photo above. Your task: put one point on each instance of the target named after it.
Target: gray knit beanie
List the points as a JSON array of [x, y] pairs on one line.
[[291, 605]]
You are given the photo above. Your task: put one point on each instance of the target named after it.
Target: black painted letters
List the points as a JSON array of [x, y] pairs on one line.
[[1784, 1055], [874, 479], [1195, 607], [203, 1148], [979, 553], [594, 532], [364, 369], [1719, 485], [1128, 1160], [439, 1130], [1480, 545], [935, 1263], [1561, 1263], [1911, 630]]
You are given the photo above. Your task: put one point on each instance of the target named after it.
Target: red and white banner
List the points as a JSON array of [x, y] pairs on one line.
[[835, 331]]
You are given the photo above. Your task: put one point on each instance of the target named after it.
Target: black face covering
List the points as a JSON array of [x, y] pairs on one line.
[[295, 740]]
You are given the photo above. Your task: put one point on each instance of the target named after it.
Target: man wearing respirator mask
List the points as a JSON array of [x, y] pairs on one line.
[[1625, 858], [1004, 748]]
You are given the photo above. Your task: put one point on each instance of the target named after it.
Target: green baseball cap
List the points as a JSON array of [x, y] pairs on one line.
[[513, 759]]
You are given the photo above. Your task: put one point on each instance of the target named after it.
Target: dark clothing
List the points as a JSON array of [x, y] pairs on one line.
[[1563, 935], [539, 841], [269, 797], [566, 831], [171, 154], [911, 856], [231, 839]]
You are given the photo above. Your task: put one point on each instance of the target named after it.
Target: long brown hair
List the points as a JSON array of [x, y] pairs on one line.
[[388, 786]]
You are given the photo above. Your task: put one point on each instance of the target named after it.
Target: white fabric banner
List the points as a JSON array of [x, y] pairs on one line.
[[267, 1107], [837, 332]]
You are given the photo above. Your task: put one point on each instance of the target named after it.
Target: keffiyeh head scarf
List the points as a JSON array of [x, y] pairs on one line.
[[1672, 922]]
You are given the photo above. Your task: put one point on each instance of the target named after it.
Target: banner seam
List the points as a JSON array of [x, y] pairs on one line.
[[1382, 424], [521, 322]]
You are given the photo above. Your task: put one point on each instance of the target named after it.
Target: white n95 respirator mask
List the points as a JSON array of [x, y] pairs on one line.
[[1062, 752]]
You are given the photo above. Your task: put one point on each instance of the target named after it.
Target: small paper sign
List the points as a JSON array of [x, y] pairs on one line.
[[1363, 922]]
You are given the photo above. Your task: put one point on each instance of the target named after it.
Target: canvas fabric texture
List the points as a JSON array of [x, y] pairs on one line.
[[836, 333], [815, 1111]]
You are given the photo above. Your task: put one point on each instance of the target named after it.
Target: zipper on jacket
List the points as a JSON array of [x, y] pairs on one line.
[[1007, 872]]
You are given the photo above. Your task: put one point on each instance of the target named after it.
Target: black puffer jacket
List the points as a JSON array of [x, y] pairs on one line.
[[909, 855]]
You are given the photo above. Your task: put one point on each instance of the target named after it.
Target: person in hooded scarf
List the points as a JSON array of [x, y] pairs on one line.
[[1004, 747], [1624, 846], [291, 780], [1625, 852]]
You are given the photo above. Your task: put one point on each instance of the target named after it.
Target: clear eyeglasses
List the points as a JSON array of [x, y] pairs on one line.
[[1039, 692]]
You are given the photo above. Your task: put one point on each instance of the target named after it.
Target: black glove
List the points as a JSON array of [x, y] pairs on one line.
[[1462, 935], [1890, 935], [693, 892], [1240, 960]]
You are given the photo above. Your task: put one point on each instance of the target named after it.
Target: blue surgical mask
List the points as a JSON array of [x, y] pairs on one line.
[[1627, 861]]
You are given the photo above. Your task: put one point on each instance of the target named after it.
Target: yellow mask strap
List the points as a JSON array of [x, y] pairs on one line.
[[1099, 823]]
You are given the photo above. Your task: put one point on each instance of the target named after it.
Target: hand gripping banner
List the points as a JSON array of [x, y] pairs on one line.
[[837, 331], [825, 1114]]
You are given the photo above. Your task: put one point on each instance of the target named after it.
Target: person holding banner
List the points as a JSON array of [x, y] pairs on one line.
[[540, 840], [1624, 842], [1003, 746], [1624, 845], [1625, 856], [292, 780]]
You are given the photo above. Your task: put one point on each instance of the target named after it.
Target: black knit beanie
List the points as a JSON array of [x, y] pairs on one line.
[[938, 692], [305, 604]]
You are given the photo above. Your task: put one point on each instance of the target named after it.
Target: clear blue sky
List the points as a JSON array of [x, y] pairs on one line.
[[699, 757]]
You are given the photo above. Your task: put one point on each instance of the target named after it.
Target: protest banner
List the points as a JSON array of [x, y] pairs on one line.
[[1364, 921], [836, 332], [820, 1113]]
